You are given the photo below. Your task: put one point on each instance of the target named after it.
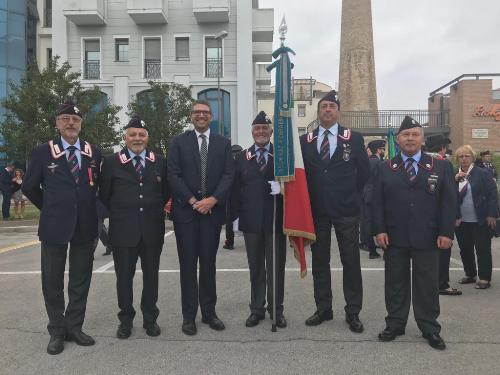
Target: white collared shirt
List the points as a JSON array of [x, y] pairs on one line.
[[332, 137], [77, 151], [142, 155], [207, 133]]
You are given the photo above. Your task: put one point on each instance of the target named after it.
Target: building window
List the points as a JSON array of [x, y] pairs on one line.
[[47, 14], [213, 58], [152, 58], [221, 119], [301, 110], [182, 49], [302, 131], [92, 59], [121, 49], [49, 56]]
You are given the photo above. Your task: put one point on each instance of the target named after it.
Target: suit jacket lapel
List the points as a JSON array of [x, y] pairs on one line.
[[212, 144], [397, 165], [195, 149]]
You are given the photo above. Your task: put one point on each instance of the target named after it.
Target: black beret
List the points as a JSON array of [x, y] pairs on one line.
[[261, 118], [332, 96], [135, 122], [484, 153], [435, 141], [408, 123], [236, 148], [376, 144], [68, 108]]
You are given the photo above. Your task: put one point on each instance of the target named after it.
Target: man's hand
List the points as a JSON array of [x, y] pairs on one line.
[[491, 221], [444, 243], [205, 205], [382, 240]]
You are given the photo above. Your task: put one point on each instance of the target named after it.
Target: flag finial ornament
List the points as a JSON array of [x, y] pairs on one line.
[[283, 30]]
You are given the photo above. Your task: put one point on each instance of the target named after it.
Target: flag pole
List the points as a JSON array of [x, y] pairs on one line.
[[273, 327]]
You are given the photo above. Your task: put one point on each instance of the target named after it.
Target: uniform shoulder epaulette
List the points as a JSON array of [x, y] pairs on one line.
[[150, 155], [122, 157], [249, 155], [56, 151], [311, 137], [346, 135], [393, 164], [428, 164]]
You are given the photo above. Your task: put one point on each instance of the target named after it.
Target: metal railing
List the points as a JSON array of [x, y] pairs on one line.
[[389, 119], [212, 67], [152, 68], [91, 69]]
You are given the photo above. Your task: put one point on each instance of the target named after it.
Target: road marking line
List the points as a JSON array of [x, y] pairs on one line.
[[168, 233], [105, 267], [456, 261], [225, 270], [18, 246]]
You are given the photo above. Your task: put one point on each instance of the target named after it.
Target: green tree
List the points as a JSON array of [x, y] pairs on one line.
[[32, 104], [165, 108]]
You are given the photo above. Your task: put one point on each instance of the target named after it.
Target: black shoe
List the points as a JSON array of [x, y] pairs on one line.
[[80, 338], [124, 331], [435, 341], [228, 246], [319, 317], [390, 334], [467, 280], [281, 321], [374, 255], [56, 344], [189, 327], [214, 322], [253, 320], [355, 324], [152, 329], [450, 292]]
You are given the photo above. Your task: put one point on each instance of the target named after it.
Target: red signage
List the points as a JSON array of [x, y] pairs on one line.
[[492, 111]]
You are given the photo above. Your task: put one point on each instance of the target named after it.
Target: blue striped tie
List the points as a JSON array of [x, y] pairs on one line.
[[139, 169], [412, 173], [73, 163], [324, 150]]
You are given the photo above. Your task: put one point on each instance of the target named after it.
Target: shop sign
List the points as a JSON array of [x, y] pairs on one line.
[[488, 111], [479, 133]]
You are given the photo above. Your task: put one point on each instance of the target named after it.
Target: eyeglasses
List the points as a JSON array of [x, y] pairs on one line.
[[464, 156], [76, 119], [198, 112]]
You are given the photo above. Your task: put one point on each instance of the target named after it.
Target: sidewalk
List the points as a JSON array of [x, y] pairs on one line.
[[18, 225]]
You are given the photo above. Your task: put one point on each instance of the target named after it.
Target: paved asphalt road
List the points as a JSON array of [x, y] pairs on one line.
[[471, 325]]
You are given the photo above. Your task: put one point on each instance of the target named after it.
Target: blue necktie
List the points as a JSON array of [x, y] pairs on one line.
[[324, 150], [261, 160], [412, 173], [73, 163], [139, 169]]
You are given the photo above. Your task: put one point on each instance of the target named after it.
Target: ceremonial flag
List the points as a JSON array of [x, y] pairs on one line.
[[392, 147], [298, 223]]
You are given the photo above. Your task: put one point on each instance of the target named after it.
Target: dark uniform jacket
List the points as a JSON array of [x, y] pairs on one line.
[[251, 196], [68, 209], [5, 180], [368, 189], [414, 213], [484, 194], [335, 187], [135, 207], [184, 175]]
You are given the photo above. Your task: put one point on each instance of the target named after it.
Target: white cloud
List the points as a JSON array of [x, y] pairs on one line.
[[419, 45]]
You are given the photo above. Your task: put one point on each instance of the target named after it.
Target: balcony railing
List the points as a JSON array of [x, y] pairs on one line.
[[152, 68], [213, 67], [91, 69], [389, 119]]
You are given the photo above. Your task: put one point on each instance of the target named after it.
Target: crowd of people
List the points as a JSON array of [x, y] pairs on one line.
[[411, 206]]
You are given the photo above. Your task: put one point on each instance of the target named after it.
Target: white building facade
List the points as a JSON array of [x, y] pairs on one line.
[[44, 33], [120, 45]]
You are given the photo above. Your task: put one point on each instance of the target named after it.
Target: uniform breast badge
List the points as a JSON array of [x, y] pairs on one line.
[[346, 155], [52, 167], [432, 182]]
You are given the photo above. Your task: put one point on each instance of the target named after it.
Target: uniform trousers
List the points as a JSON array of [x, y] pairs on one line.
[[7, 197], [259, 247], [347, 232], [125, 259], [420, 283], [198, 241], [53, 262], [444, 269], [472, 236], [366, 237]]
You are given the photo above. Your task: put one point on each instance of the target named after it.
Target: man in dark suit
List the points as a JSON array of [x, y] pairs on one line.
[[377, 151], [253, 201], [337, 168], [414, 209], [134, 188], [200, 174], [61, 180], [6, 189], [229, 242]]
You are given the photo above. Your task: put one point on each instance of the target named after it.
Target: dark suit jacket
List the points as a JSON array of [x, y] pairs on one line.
[[335, 187], [368, 188], [185, 179], [136, 206], [484, 194], [251, 198], [68, 209], [5, 180], [415, 213]]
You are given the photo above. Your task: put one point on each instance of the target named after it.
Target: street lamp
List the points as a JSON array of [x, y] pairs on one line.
[[219, 36]]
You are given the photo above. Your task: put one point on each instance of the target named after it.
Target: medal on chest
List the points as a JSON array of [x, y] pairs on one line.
[[346, 152]]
